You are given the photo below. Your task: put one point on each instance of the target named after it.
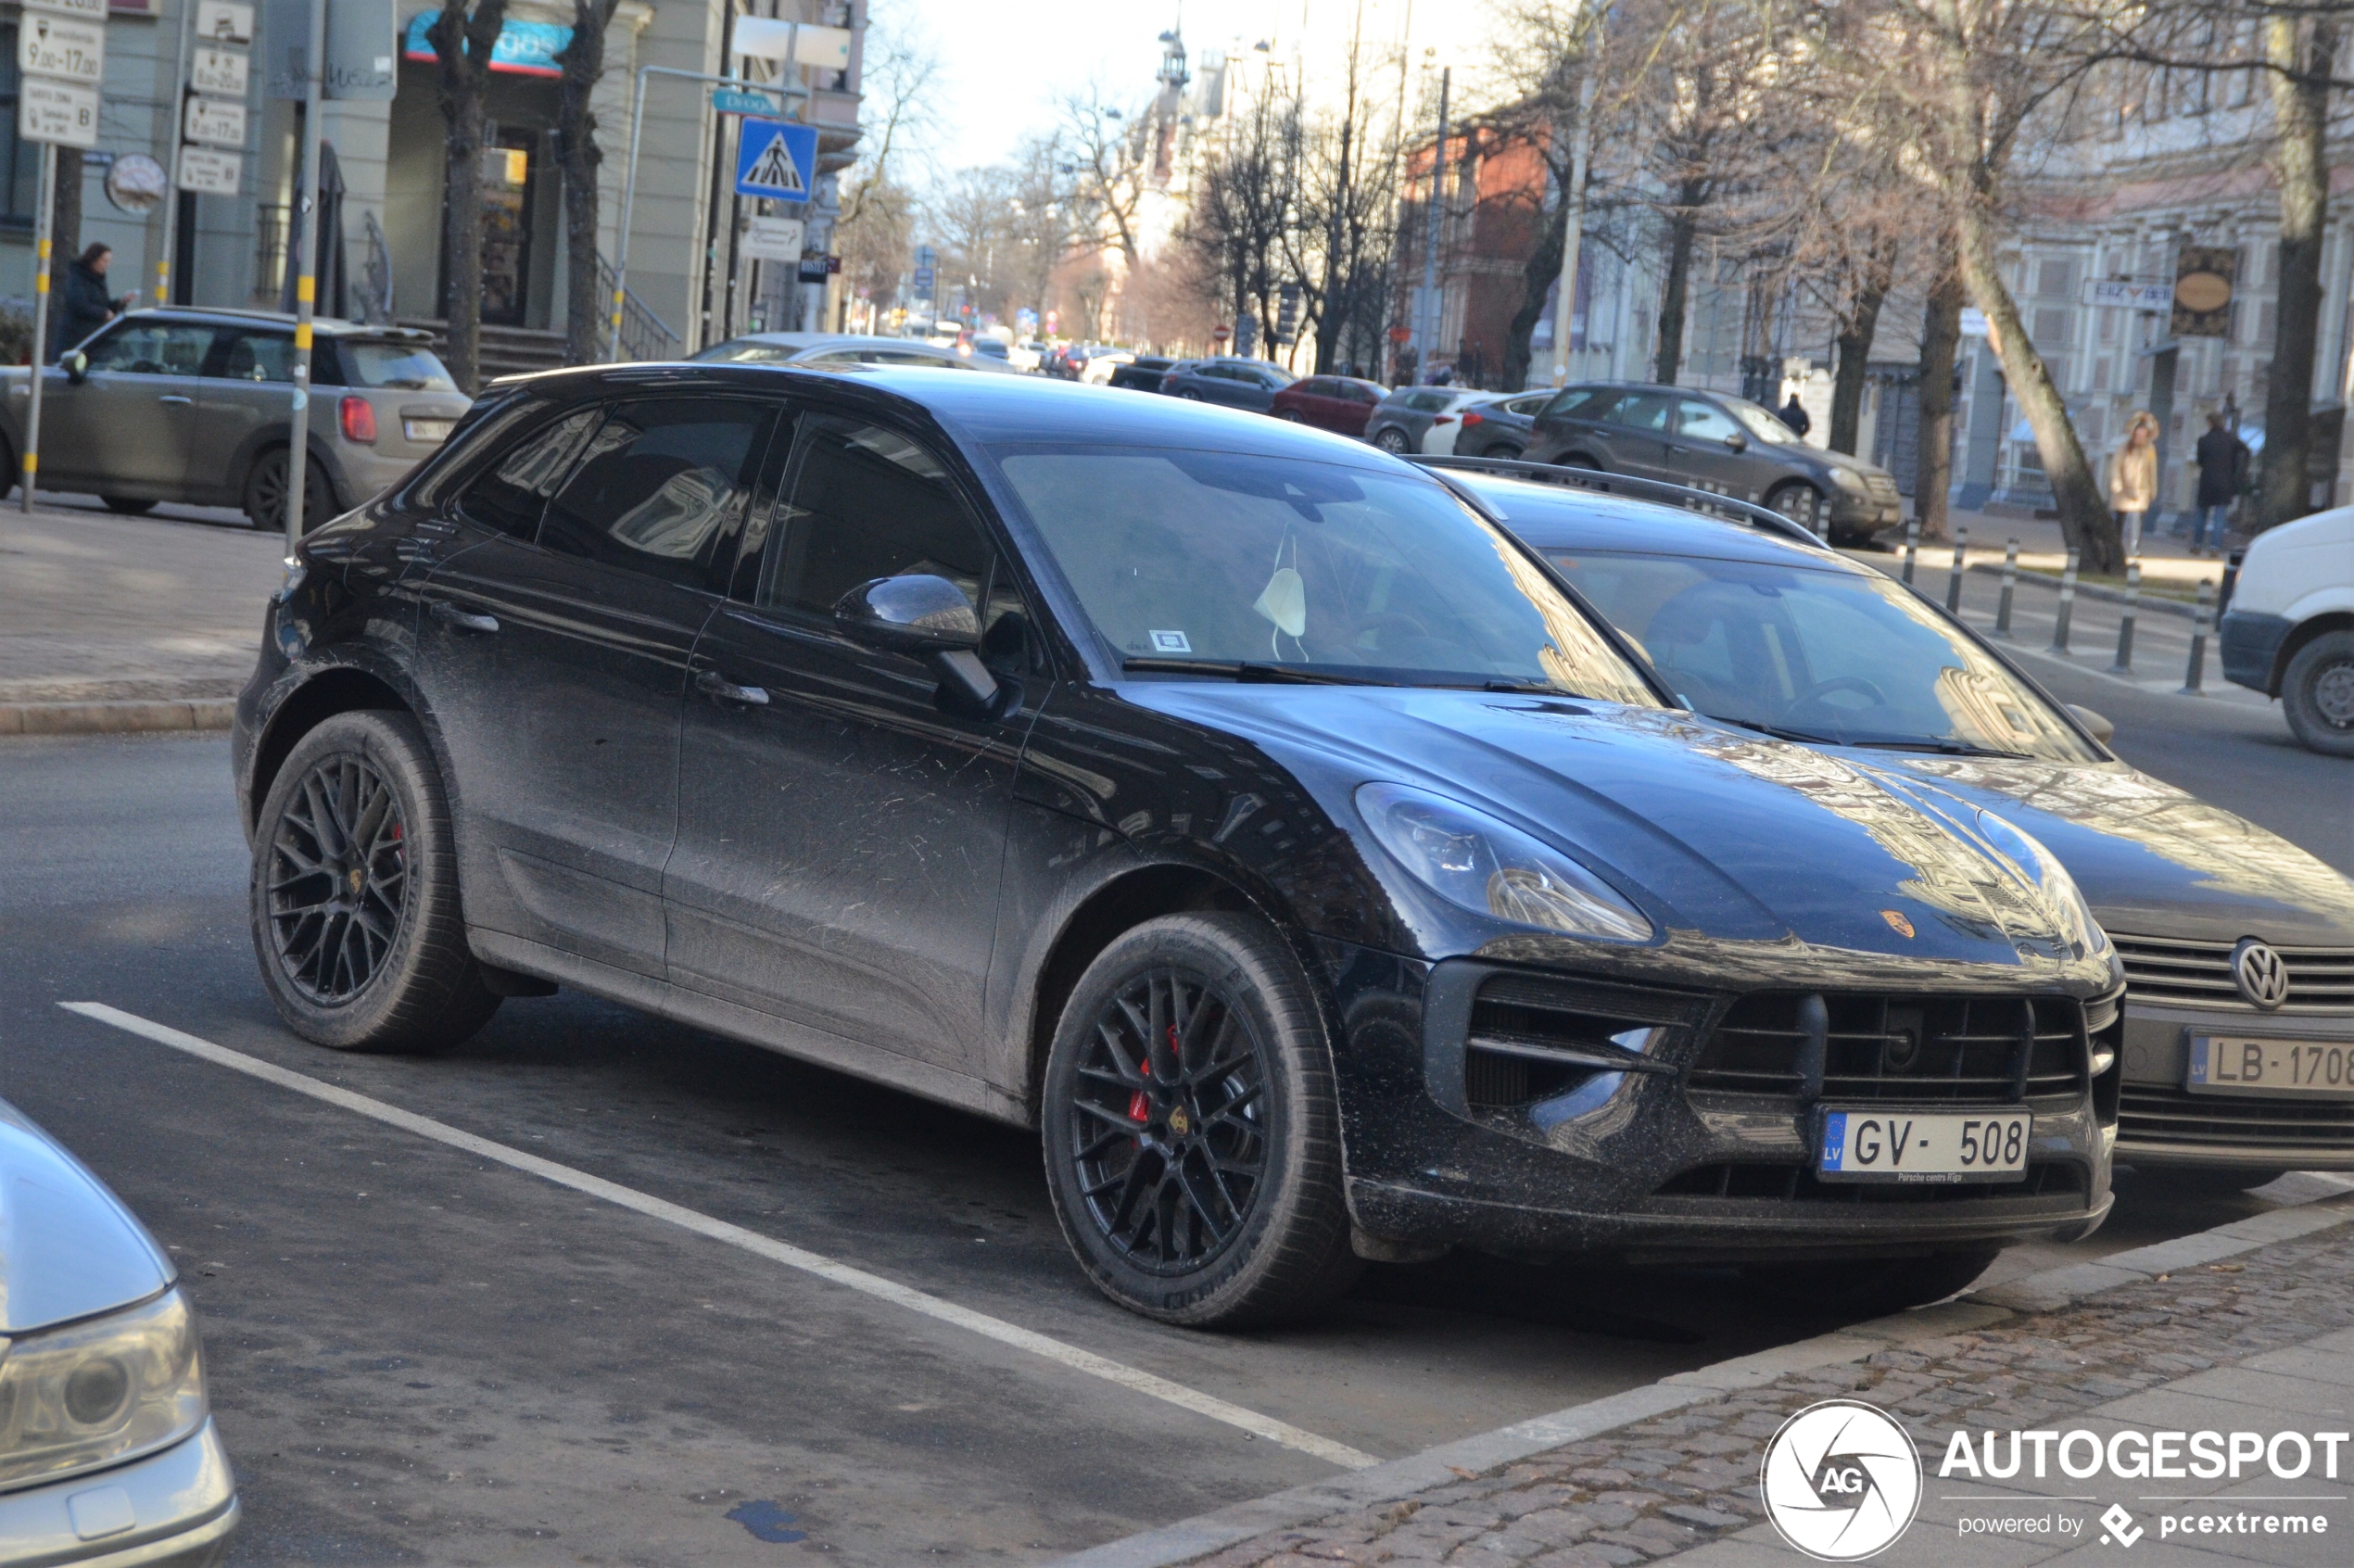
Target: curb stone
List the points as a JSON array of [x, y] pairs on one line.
[[1397, 1480], [115, 717]]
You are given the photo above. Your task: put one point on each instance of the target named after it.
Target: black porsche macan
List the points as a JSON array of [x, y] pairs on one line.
[[1238, 805]]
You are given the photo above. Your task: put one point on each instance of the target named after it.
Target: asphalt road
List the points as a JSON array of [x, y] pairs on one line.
[[421, 1353]]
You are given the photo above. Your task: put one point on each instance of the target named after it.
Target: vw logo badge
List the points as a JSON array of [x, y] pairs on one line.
[[1841, 1481], [2262, 978]]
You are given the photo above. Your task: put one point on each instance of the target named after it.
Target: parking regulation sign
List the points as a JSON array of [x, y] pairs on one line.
[[777, 159]]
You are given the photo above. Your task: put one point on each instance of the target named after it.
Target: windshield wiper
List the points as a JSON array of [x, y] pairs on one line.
[[1943, 748], [1778, 733], [1236, 670]]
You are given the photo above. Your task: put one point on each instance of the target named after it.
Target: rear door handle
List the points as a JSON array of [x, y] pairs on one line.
[[176, 400], [445, 610], [718, 687]]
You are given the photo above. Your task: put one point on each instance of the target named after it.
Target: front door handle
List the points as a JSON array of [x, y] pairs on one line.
[[445, 610], [176, 400], [718, 687]]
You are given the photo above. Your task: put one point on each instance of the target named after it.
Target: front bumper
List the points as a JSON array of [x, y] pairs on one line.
[[175, 1507], [2162, 1124], [2251, 644], [1623, 1164]]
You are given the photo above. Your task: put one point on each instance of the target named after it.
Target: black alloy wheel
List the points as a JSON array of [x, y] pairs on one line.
[[265, 496], [338, 879], [1190, 1128]]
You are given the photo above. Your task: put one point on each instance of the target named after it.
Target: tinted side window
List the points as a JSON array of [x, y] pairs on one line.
[[661, 485], [867, 502], [509, 496], [1642, 411]]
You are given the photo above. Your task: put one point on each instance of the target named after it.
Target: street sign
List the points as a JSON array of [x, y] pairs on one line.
[[219, 70], [2128, 296], [224, 21], [63, 47], [63, 112], [817, 268], [777, 158], [775, 239], [219, 122], [1974, 322], [136, 183], [209, 172], [735, 100]]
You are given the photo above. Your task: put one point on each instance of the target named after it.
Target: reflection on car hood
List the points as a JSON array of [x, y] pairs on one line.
[[2153, 860], [67, 1248], [1730, 838]]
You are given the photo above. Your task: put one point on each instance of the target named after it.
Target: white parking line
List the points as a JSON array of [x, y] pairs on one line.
[[793, 1257]]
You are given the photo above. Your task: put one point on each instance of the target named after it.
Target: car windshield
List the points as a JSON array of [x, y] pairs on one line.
[[1764, 423], [406, 367], [1261, 568], [1829, 656]]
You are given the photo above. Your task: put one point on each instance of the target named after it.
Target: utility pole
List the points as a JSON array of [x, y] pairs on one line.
[[1428, 319], [303, 235], [43, 218], [1581, 144], [171, 187]]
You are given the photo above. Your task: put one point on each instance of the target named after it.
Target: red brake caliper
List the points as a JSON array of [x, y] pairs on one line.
[[1140, 1104]]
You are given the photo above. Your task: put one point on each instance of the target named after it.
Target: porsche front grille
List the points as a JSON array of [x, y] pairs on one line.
[[1974, 1051]]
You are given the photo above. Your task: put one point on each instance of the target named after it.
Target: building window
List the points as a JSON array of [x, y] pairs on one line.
[[19, 160]]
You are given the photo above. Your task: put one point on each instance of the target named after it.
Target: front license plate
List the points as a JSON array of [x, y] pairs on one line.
[[2228, 1064], [427, 431], [1877, 1144]]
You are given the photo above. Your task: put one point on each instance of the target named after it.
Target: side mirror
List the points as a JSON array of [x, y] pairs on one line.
[[928, 618], [2101, 728], [1736, 442], [77, 367]]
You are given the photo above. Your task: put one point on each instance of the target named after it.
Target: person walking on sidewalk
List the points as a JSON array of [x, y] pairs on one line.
[[2223, 459], [86, 306], [2132, 480], [1793, 413]]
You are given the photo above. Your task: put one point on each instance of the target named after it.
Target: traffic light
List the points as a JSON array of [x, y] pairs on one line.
[[1287, 313]]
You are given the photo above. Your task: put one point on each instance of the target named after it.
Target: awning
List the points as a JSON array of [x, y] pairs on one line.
[[524, 48]]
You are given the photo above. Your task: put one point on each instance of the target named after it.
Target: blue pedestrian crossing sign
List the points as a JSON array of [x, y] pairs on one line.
[[777, 159]]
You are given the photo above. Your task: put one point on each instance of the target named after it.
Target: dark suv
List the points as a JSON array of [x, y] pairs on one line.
[[1240, 806], [1713, 441]]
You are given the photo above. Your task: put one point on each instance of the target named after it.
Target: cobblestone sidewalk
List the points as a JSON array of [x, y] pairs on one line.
[[2265, 1336]]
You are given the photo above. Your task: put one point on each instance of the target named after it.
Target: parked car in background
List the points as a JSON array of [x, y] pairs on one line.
[[1715, 441], [1421, 419], [1142, 374], [2288, 631], [830, 351], [1499, 426], [1101, 362], [188, 405], [107, 1452], [2237, 946], [1230, 380], [1339, 403]]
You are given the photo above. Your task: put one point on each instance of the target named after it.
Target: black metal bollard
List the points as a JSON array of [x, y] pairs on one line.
[[2010, 586], [1912, 547], [2067, 604], [2124, 664], [1953, 583], [2193, 679], [2231, 580]]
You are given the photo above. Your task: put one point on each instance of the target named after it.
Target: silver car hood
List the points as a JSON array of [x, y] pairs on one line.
[[68, 1247]]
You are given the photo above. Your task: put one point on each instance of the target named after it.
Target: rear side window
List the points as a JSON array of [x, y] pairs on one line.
[[509, 496], [256, 356], [660, 485], [868, 502], [399, 367], [1578, 402]]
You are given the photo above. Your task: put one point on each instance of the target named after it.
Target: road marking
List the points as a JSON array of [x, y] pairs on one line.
[[702, 1224]]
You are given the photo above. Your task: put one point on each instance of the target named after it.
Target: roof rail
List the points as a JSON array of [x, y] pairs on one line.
[[1601, 480]]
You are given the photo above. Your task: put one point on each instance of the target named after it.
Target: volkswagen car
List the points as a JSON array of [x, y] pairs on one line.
[[2238, 946], [1230, 802]]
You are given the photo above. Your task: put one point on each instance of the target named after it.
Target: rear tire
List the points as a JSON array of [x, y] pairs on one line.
[[2317, 694], [1219, 1206], [1887, 1286], [354, 893], [129, 506], [265, 493]]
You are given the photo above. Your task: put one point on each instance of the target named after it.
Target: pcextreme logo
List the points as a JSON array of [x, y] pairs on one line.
[[1841, 1481]]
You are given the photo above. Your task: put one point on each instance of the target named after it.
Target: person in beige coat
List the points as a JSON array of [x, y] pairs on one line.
[[2132, 480]]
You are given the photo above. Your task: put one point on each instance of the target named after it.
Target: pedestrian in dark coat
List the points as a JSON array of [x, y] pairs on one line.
[[86, 306], [1793, 414], [2223, 459]]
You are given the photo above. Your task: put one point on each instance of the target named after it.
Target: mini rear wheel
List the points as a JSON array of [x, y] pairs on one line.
[[265, 493], [354, 893], [1192, 1134]]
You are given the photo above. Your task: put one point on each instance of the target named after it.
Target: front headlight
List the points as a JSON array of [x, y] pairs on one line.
[[2042, 868], [1848, 479], [100, 1390], [1469, 858]]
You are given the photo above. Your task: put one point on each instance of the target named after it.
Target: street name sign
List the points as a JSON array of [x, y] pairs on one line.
[[64, 47], [224, 71], [777, 158], [774, 239], [209, 172], [63, 112], [734, 100], [219, 122]]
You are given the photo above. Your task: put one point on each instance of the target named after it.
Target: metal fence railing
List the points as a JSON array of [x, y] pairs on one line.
[[644, 335]]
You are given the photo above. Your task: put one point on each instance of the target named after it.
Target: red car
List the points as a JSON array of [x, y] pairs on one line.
[[1340, 403]]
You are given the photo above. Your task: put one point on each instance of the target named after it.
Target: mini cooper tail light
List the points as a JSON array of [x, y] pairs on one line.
[[358, 417]]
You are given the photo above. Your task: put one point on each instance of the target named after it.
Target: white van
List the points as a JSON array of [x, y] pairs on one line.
[[2289, 629]]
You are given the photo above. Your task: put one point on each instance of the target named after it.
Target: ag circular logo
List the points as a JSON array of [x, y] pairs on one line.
[[1841, 1481]]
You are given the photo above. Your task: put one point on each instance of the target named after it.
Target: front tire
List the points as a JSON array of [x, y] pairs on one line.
[[128, 506], [354, 893], [1392, 441], [2317, 694], [265, 493], [1190, 1128]]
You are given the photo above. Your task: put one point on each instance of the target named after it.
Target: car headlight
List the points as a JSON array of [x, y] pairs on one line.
[[2042, 868], [100, 1390], [1469, 858], [1848, 479]]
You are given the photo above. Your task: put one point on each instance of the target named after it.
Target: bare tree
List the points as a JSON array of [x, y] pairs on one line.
[[578, 156], [2302, 52], [1110, 151], [1940, 341], [1245, 202], [463, 36], [879, 201], [1341, 244]]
